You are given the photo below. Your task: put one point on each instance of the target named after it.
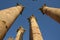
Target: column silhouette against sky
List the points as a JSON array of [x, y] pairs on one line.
[[7, 17], [50, 29], [35, 33], [54, 13]]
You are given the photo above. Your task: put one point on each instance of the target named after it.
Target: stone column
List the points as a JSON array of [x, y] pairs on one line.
[[52, 12], [20, 33], [10, 38], [35, 33], [7, 17]]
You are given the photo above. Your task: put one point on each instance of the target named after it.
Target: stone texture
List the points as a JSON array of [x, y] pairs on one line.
[[7, 17], [10, 38], [20, 33], [52, 12], [35, 33]]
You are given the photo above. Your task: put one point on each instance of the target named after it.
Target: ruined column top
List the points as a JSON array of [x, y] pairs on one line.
[[31, 18], [10, 38], [20, 28], [41, 9], [21, 6]]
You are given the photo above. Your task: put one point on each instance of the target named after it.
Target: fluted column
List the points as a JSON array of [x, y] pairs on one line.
[[7, 17], [20, 33], [35, 33], [52, 12]]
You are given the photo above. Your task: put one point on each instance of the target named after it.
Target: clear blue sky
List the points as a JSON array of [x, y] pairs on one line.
[[50, 29]]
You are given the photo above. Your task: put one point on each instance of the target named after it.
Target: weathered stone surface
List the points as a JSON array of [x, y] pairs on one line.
[[20, 33], [35, 33], [52, 12], [7, 17]]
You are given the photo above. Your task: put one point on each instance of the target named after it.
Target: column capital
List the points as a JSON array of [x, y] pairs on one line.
[[41, 9]]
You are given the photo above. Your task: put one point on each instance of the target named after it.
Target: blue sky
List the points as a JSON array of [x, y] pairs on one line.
[[50, 29]]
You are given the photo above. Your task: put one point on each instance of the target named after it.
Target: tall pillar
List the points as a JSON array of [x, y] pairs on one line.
[[20, 33], [52, 12], [7, 17], [10, 38], [35, 33]]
